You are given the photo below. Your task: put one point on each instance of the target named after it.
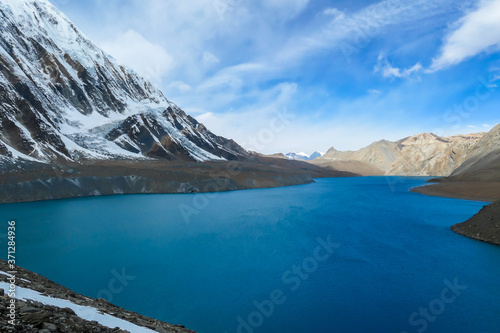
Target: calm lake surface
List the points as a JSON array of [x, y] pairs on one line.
[[340, 255]]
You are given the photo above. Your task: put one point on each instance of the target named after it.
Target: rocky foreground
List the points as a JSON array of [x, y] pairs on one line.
[[484, 226], [37, 316]]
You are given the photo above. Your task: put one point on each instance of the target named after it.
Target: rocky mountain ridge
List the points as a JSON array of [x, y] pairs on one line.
[[424, 154], [63, 98], [483, 159]]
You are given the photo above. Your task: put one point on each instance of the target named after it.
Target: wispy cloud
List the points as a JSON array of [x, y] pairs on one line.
[[181, 86], [477, 32], [148, 59], [388, 71], [352, 32], [234, 63], [209, 58]]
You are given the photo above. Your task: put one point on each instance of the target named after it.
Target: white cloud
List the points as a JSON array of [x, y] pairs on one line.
[[351, 32], [334, 12], [477, 32], [236, 100], [209, 58], [180, 86], [388, 71], [231, 77], [286, 9], [254, 130], [374, 91], [205, 117], [252, 125], [249, 121], [147, 59]]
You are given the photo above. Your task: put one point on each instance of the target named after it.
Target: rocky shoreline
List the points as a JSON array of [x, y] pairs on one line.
[[485, 225], [30, 181], [39, 317], [469, 190]]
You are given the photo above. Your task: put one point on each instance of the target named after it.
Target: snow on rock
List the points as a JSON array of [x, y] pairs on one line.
[[303, 156], [62, 96], [85, 312], [10, 275]]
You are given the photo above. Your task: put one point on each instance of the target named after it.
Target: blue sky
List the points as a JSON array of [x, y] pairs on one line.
[[306, 75]]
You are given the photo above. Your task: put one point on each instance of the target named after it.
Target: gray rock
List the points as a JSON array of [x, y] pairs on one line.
[[68, 311], [51, 327]]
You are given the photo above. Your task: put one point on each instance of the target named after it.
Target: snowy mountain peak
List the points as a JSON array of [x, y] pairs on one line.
[[316, 154], [303, 156], [64, 98]]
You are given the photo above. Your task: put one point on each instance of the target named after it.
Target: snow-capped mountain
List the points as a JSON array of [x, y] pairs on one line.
[[297, 156], [316, 154], [303, 156], [63, 98]]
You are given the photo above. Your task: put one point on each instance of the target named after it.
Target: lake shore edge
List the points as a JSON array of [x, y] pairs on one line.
[[43, 305], [40, 182], [483, 226]]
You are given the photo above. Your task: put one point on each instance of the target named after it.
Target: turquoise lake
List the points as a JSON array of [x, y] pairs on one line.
[[339, 255]]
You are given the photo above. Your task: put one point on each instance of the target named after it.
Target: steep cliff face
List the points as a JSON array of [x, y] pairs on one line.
[[424, 154], [62, 98]]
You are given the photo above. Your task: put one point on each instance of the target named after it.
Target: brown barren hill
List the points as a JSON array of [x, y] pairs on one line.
[[478, 178], [31, 181]]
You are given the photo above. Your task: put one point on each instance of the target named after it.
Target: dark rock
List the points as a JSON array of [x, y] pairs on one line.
[[51, 327], [483, 226], [68, 311], [37, 318]]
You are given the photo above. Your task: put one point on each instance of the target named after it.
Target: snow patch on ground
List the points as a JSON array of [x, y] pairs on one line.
[[10, 275], [85, 312]]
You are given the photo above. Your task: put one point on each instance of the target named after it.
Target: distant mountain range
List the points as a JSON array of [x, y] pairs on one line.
[[303, 156], [424, 154]]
